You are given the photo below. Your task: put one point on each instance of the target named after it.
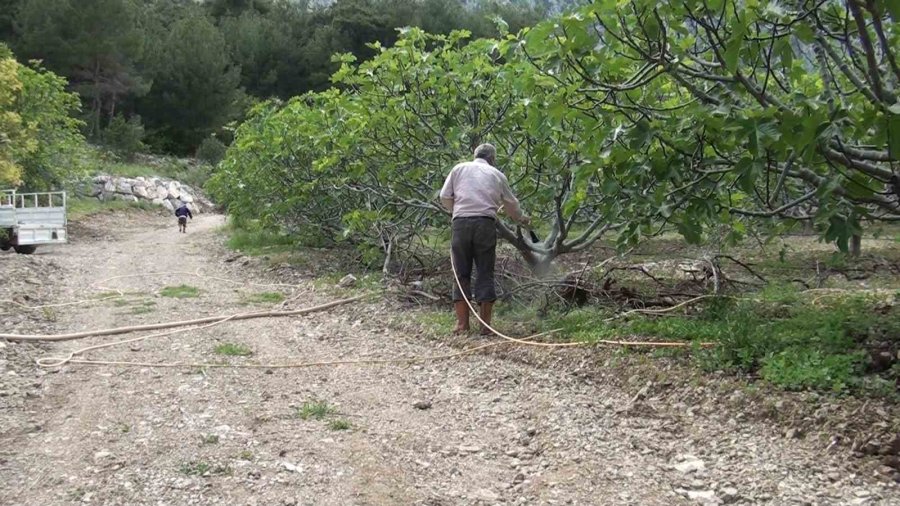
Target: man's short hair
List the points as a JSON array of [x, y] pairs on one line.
[[486, 151]]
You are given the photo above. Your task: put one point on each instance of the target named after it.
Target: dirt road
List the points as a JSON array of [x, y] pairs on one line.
[[478, 430]]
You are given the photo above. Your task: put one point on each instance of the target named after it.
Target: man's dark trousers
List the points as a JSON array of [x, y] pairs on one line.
[[474, 241]]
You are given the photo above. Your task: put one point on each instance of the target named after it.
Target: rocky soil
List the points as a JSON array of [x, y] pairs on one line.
[[506, 427]]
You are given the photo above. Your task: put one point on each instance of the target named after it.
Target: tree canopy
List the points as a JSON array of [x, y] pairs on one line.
[[38, 135], [708, 119]]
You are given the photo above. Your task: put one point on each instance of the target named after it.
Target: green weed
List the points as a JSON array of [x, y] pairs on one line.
[[180, 292], [203, 468], [233, 350], [195, 468], [49, 314], [143, 308], [339, 425], [316, 410], [209, 439]]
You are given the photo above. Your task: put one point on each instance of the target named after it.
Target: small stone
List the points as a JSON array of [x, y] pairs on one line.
[[689, 464], [487, 495], [423, 405], [793, 433], [102, 455], [519, 478], [729, 495], [291, 467], [347, 281], [701, 495], [469, 449]]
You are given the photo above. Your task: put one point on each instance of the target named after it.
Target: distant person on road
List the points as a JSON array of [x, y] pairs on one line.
[[474, 192], [183, 213]]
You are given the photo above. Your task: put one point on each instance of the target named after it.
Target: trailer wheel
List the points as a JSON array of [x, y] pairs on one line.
[[25, 250], [4, 247]]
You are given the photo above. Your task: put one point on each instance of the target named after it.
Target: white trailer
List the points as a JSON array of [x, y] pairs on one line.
[[31, 219]]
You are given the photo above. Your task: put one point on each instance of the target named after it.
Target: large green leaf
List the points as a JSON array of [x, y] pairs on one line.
[[734, 46]]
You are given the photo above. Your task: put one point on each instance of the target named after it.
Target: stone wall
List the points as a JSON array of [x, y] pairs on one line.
[[160, 191]]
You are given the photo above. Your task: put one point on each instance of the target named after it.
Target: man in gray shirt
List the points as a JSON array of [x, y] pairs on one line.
[[474, 192]]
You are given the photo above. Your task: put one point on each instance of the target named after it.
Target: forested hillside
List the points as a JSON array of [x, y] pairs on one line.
[[172, 73]]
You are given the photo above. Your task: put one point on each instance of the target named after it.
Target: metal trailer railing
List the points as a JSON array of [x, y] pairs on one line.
[[34, 218]]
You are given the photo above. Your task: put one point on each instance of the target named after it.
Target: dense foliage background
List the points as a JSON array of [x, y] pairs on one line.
[[710, 119], [178, 71]]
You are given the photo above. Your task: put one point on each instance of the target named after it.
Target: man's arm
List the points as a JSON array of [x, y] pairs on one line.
[[447, 193], [448, 204], [510, 203]]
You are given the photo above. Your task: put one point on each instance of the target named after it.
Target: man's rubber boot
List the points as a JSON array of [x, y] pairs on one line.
[[487, 308], [462, 317]]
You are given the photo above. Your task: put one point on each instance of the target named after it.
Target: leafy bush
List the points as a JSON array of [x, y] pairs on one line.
[[787, 339], [801, 367], [211, 150], [124, 136], [39, 138]]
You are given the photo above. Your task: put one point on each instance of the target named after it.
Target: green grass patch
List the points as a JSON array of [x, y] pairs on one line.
[[180, 292], [203, 468], [145, 307], [315, 410], [793, 341], [438, 323], [84, 207], [255, 240], [264, 298], [339, 425], [233, 350]]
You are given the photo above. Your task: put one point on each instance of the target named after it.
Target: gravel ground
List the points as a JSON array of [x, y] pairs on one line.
[[482, 429]]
